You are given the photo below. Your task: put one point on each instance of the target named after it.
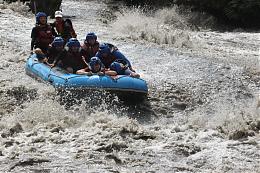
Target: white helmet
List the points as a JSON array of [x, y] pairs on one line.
[[58, 14]]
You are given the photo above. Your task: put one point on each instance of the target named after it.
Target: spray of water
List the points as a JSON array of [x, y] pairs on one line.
[[84, 136], [168, 26], [16, 7], [164, 27]]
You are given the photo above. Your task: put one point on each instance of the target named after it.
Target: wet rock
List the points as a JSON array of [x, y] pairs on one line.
[[10, 60], [39, 139], [115, 158], [81, 153], [251, 133], [238, 134], [57, 129], [113, 171], [28, 162], [17, 128], [111, 147], [32, 149], [221, 129], [258, 124], [255, 125], [135, 134], [200, 101], [157, 128], [10, 142], [176, 129], [144, 136], [34, 133], [57, 139], [5, 134], [180, 105], [187, 150], [162, 110]]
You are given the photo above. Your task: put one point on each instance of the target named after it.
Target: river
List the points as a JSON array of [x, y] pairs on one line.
[[202, 113]]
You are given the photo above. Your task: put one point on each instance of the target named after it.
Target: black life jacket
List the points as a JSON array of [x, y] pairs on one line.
[[44, 35]]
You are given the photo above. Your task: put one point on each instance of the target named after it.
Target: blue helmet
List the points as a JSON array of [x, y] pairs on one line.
[[73, 42], [57, 42], [91, 35], [94, 61], [116, 66], [104, 48], [40, 14]]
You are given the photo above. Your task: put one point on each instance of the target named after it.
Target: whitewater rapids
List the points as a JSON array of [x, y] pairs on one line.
[[202, 113]]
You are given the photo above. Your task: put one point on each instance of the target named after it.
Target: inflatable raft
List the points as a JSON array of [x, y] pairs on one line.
[[60, 79]]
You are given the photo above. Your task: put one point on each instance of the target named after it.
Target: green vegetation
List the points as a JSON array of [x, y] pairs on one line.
[[239, 13]]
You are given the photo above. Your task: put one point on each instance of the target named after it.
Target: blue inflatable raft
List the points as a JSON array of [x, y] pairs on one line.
[[60, 79]]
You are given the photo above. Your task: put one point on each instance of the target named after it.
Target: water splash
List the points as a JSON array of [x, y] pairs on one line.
[[16, 7], [166, 26]]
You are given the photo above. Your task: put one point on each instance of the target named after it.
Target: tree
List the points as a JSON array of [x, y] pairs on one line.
[[47, 6]]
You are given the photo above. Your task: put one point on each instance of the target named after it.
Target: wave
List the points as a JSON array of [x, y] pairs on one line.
[[166, 26]]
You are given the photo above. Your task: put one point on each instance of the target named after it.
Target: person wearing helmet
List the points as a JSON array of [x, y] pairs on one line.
[[64, 28], [95, 66], [42, 34], [122, 69], [109, 53], [41, 56], [55, 49], [70, 58], [90, 46]]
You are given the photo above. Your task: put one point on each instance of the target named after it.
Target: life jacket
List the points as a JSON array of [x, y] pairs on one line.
[[59, 27], [112, 47], [52, 54], [89, 51], [107, 61], [73, 60], [65, 29], [44, 35]]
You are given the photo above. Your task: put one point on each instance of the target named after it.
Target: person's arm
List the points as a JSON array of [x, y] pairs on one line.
[[83, 56], [54, 33], [120, 56], [110, 72], [73, 33], [49, 52], [59, 57], [83, 59], [98, 55]]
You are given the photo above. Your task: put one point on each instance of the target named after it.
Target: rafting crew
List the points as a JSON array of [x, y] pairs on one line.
[[42, 34], [90, 46], [70, 58], [65, 50], [63, 28], [55, 49], [95, 66], [113, 59], [108, 53], [122, 69]]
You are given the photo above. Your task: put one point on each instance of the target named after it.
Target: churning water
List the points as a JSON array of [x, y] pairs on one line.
[[202, 114]]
